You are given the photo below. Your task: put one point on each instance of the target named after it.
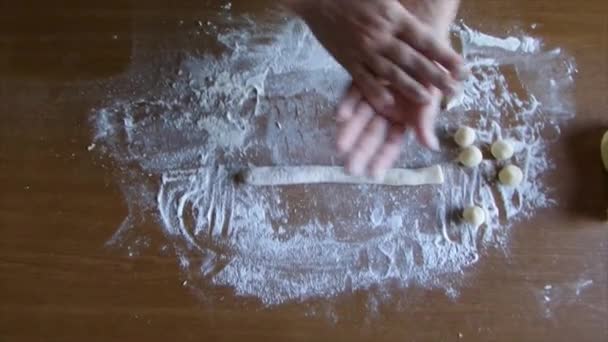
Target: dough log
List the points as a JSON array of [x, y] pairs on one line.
[[604, 149], [289, 175]]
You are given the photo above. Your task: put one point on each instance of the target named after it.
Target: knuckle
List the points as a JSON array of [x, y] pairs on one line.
[[379, 124], [378, 20], [401, 80], [419, 65], [399, 52], [369, 90], [384, 69], [360, 78], [420, 93], [391, 50], [395, 72], [421, 39], [432, 72], [405, 55], [379, 37], [371, 20], [385, 10], [410, 86], [356, 73], [366, 40], [417, 89], [442, 78]]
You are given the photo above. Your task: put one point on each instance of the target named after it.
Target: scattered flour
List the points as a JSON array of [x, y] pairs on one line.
[[553, 297], [267, 100]]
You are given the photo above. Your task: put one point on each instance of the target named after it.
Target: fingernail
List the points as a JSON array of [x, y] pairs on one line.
[[355, 169], [434, 143], [454, 89], [427, 97], [444, 102], [463, 73], [341, 148], [449, 92], [424, 97], [388, 100], [378, 174]]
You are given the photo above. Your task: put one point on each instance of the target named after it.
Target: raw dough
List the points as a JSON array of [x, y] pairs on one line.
[[287, 175], [502, 149], [470, 156], [511, 175], [604, 149], [474, 215], [465, 136]]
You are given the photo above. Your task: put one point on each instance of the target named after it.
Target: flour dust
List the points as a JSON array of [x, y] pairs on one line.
[[268, 100]]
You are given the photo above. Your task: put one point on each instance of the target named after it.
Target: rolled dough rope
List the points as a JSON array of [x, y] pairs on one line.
[[604, 150], [288, 175]]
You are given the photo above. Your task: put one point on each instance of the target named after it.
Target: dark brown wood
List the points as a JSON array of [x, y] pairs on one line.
[[59, 204]]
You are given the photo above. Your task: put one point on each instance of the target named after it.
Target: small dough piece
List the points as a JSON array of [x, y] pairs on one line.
[[511, 175], [290, 175], [604, 149], [474, 215], [502, 149], [465, 136], [470, 156]]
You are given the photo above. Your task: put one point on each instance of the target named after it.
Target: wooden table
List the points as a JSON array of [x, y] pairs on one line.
[[59, 205]]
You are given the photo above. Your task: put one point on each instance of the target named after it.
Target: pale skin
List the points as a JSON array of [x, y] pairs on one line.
[[399, 56]]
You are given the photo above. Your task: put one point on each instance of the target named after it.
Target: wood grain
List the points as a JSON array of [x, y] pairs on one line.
[[59, 204]]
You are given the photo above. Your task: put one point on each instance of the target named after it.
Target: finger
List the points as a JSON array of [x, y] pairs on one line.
[[388, 153], [347, 106], [425, 71], [421, 38], [353, 127], [370, 141], [424, 125], [372, 89], [407, 86]]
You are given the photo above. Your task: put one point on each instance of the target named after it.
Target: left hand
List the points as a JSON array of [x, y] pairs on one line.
[[373, 142]]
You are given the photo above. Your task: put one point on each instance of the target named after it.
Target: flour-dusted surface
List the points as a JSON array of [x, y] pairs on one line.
[[267, 100]]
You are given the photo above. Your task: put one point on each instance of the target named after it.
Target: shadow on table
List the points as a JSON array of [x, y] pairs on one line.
[[64, 40], [588, 194]]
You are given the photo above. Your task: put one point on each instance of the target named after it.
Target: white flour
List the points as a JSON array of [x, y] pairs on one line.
[[267, 100], [553, 297]]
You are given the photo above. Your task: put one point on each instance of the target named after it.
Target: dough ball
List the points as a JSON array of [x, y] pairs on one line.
[[604, 148], [470, 156], [474, 215], [465, 136], [511, 175], [502, 149]]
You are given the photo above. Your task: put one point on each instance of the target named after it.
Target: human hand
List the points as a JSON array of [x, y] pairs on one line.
[[380, 42], [372, 142], [371, 139]]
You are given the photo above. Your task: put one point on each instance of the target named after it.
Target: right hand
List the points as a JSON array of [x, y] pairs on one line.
[[381, 43], [372, 142]]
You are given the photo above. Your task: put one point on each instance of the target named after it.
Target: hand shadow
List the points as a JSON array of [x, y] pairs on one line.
[[587, 193], [65, 41]]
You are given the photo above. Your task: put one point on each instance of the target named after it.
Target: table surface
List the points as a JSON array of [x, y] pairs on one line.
[[59, 205]]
